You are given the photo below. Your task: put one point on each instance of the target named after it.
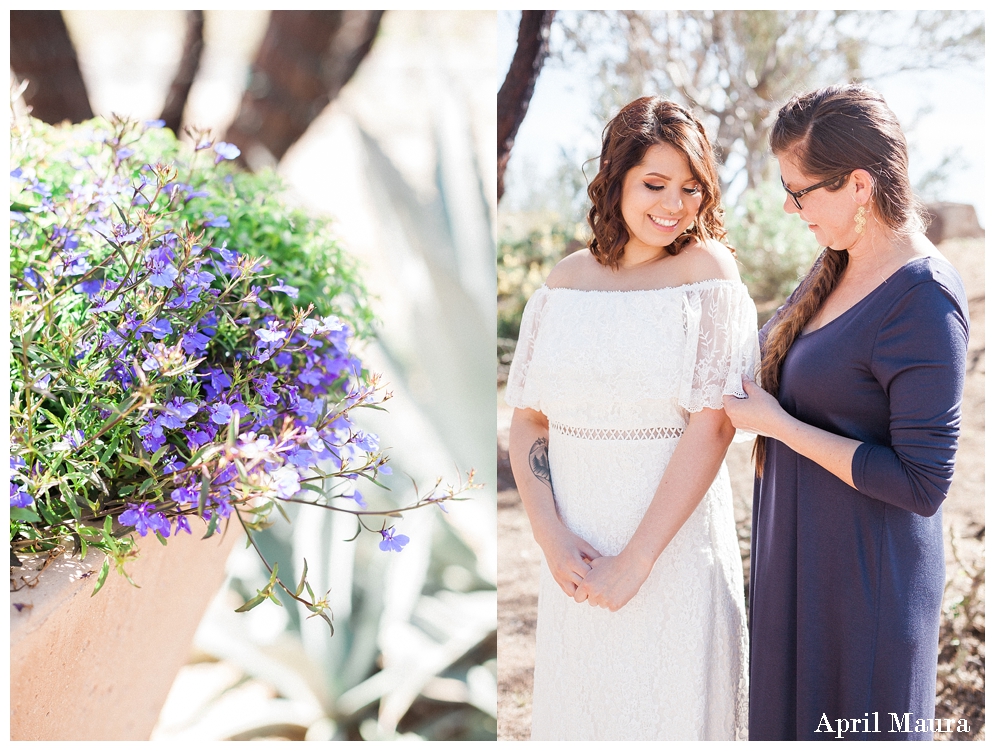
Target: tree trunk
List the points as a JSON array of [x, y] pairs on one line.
[[42, 53], [516, 91], [305, 59], [179, 90]]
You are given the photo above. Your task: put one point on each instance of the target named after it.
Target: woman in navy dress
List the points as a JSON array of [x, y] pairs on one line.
[[858, 418]]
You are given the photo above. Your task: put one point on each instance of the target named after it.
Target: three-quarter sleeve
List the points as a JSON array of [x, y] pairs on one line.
[[523, 392], [721, 347], [919, 360]]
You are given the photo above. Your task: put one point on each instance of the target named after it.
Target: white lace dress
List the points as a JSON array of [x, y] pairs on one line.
[[617, 374]]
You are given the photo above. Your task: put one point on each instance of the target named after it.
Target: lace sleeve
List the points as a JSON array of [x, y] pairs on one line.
[[521, 392], [720, 322]]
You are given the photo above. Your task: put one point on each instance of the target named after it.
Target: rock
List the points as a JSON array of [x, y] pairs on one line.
[[949, 220]]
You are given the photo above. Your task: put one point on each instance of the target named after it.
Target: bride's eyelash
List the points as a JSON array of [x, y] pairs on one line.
[[690, 191]]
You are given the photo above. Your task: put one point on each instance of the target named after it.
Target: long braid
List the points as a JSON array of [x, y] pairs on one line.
[[819, 284], [832, 132]]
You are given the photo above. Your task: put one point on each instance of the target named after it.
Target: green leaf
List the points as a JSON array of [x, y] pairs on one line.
[[146, 485], [161, 538], [102, 576], [205, 490], [110, 451], [300, 587], [24, 515], [212, 525], [374, 480], [327, 620], [233, 429], [251, 603], [158, 454]]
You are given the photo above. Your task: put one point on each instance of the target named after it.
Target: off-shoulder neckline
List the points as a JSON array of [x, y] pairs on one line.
[[675, 288]]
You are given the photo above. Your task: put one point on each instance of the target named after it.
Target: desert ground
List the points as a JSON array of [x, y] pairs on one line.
[[960, 682]]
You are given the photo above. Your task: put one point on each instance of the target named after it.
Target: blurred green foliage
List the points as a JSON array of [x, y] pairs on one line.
[[524, 262], [774, 249]]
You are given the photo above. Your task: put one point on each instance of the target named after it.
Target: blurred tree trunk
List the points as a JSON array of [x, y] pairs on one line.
[[179, 90], [304, 60], [516, 91], [42, 53]]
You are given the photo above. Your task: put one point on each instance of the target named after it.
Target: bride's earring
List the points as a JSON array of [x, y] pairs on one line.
[[860, 220]]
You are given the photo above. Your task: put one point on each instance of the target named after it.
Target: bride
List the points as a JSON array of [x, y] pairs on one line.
[[617, 445]]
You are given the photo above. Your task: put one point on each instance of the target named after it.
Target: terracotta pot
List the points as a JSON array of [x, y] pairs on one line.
[[99, 668]]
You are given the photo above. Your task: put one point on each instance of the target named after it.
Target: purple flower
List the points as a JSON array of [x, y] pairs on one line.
[[111, 339], [182, 523], [172, 464], [197, 437], [107, 307], [328, 323], [309, 410], [181, 408], [264, 387], [34, 279], [124, 237], [285, 482], [162, 276], [218, 382], [19, 498], [225, 151], [156, 124], [392, 541], [195, 343], [143, 517], [89, 288], [221, 221], [74, 438], [156, 357], [281, 287], [73, 264], [356, 496], [161, 328], [188, 495], [301, 458], [366, 441], [272, 334], [221, 414]]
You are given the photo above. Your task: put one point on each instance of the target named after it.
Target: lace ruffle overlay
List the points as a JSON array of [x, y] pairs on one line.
[[618, 374]]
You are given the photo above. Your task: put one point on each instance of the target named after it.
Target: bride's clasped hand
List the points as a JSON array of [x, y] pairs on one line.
[[613, 580]]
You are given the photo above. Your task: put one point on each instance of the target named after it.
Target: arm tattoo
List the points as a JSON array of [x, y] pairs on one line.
[[539, 461]]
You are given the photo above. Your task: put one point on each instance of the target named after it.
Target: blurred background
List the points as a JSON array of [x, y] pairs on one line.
[[383, 121], [566, 73]]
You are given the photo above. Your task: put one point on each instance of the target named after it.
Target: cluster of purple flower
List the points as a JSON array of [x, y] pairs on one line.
[[192, 320]]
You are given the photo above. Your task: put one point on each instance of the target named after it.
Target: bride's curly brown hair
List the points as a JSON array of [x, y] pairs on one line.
[[639, 125]]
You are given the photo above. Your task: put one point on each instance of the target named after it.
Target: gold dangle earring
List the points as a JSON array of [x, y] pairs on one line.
[[860, 220]]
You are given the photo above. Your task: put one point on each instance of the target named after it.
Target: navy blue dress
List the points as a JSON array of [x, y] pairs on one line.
[[846, 585]]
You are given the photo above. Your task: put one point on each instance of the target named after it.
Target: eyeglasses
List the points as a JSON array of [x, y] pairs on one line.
[[795, 195]]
